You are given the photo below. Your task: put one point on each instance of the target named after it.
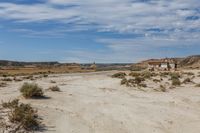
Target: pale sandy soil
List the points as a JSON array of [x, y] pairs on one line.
[[97, 103]]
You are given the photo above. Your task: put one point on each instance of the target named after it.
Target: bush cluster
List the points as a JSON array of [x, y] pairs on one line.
[[119, 75], [23, 115], [31, 90]]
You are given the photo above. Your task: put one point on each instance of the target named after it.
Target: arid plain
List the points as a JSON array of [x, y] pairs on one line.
[[97, 103]]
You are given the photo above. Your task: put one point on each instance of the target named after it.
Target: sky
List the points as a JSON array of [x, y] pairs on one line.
[[104, 31]]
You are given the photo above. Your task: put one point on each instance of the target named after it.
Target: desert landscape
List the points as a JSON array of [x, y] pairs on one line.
[[99, 66], [101, 102]]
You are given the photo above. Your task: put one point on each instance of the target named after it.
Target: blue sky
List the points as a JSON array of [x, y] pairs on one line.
[[106, 31]]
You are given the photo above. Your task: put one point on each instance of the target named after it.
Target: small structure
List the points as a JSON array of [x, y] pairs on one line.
[[162, 65]]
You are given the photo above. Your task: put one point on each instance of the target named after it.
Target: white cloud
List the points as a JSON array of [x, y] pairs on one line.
[[127, 16]]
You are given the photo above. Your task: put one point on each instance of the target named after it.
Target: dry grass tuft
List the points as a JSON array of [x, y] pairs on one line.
[[31, 90], [119, 75], [187, 80], [54, 88], [134, 74], [21, 117], [198, 85], [176, 82], [3, 84]]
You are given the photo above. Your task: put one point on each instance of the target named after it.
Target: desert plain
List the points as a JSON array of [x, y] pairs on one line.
[[97, 103]]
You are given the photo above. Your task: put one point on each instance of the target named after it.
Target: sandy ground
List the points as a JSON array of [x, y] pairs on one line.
[[97, 103]]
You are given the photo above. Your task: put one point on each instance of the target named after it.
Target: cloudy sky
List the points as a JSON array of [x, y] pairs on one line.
[[98, 30]]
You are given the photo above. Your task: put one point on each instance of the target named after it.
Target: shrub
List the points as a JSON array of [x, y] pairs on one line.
[[130, 83], [156, 80], [142, 85], [23, 115], [7, 79], [45, 75], [53, 82], [138, 80], [17, 79], [124, 81], [119, 75], [31, 90], [134, 74], [175, 76], [5, 75], [3, 84], [147, 75], [164, 74], [54, 88], [189, 73], [162, 88], [176, 82], [187, 80], [198, 85]]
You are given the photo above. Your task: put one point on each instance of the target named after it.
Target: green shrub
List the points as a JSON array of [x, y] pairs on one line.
[[142, 85], [164, 74], [176, 82], [147, 75], [54, 88], [30, 90], [23, 115], [138, 80], [119, 75], [175, 76], [134, 74], [187, 80], [124, 81]]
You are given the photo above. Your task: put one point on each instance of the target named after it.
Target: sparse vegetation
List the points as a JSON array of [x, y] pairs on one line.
[[161, 89], [156, 80], [7, 79], [3, 84], [22, 117], [54, 88], [164, 74], [45, 75], [134, 74], [175, 76], [176, 82], [142, 85], [52, 81], [189, 73], [198, 85], [119, 75], [138, 80], [124, 81], [187, 80], [147, 75], [31, 90]]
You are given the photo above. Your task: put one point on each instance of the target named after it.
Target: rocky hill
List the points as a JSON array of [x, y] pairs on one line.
[[190, 62], [187, 62]]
